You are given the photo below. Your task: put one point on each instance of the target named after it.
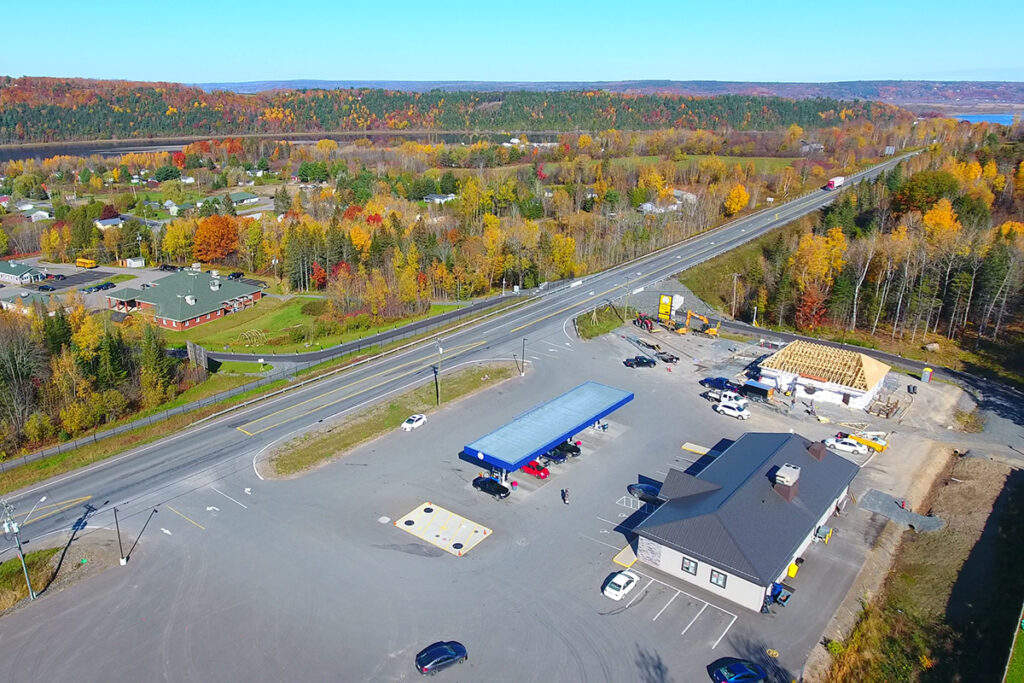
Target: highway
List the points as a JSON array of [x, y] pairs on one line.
[[140, 480]]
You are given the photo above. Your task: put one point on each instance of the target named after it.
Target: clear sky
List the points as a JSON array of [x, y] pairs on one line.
[[758, 40]]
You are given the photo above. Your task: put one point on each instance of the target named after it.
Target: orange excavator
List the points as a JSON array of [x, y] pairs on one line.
[[708, 329]]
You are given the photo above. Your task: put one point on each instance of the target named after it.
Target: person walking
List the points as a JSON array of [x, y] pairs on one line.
[[565, 496]]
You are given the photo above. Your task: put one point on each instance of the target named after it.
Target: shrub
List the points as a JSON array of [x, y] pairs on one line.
[[314, 308]]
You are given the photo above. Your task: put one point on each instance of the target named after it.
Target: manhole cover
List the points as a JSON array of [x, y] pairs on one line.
[[383, 520], [409, 522], [457, 546], [428, 510]]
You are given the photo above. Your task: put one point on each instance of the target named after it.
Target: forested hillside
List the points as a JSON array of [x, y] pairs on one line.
[[49, 109]]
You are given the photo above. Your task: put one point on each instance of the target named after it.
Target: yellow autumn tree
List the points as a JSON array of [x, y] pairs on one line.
[[941, 225], [736, 200], [810, 262]]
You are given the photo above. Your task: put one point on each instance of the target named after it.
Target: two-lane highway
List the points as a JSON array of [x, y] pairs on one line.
[[156, 473]]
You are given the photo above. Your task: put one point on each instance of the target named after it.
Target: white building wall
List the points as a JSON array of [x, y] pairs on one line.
[[823, 392], [670, 561]]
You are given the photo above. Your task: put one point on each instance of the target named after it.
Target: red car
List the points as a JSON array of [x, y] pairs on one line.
[[536, 469]]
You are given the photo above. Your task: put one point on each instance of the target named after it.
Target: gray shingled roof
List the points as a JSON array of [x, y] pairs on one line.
[[731, 517], [168, 295]]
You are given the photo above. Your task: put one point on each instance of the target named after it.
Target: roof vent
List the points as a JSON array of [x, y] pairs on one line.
[[215, 285], [787, 475], [190, 300]]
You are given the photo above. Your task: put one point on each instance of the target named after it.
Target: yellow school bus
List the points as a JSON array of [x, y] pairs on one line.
[[85, 263]]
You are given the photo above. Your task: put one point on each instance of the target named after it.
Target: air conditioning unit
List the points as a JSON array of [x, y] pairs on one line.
[[215, 285], [787, 475], [190, 300]]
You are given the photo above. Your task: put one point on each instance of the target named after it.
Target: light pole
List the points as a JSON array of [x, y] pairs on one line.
[[735, 276], [33, 510], [437, 372], [120, 548], [502, 285], [11, 527], [522, 373]]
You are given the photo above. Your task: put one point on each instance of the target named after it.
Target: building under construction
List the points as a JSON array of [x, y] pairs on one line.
[[823, 373]]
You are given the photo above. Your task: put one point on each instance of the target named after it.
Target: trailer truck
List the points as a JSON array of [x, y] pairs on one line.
[[833, 183]]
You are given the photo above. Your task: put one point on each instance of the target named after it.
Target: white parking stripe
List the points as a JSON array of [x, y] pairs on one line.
[[613, 547], [228, 497], [666, 606], [640, 593], [694, 619], [724, 632]]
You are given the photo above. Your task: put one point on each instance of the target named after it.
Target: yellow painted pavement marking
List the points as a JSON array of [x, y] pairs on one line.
[[445, 529], [57, 507], [694, 448], [625, 557], [186, 518], [423, 365]]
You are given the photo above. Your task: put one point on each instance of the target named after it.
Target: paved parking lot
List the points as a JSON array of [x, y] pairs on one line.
[[309, 576]]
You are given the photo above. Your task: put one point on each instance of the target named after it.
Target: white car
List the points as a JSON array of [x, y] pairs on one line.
[[413, 422], [846, 445], [621, 584], [732, 410]]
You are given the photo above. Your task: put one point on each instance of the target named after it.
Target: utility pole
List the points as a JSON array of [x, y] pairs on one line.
[[120, 548], [735, 276], [522, 373], [437, 372], [11, 528]]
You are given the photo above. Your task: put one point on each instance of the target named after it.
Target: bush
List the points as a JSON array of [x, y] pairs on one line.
[[834, 647], [325, 328], [358, 322], [297, 335], [314, 308]]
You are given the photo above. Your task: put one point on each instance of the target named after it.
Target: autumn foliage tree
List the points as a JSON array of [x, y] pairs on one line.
[[216, 237], [736, 200]]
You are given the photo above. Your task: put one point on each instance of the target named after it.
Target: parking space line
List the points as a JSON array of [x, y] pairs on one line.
[[608, 545], [228, 497], [689, 595], [186, 518], [695, 618], [608, 521], [640, 593], [724, 632], [666, 606]]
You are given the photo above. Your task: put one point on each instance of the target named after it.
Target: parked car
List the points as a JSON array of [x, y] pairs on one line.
[[732, 410], [647, 493], [47, 288], [167, 268], [568, 447], [105, 286], [413, 422], [666, 357], [739, 671], [491, 486], [440, 656], [87, 290], [846, 445], [555, 456], [237, 275], [536, 469], [720, 383], [621, 584], [639, 362], [58, 276]]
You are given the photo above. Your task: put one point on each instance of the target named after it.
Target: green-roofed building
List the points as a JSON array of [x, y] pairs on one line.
[[183, 300], [18, 273], [243, 198]]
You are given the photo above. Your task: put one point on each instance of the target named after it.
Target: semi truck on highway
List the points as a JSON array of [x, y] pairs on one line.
[[833, 183]]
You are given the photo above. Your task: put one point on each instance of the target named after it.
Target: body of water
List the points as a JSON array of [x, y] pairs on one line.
[[1001, 119]]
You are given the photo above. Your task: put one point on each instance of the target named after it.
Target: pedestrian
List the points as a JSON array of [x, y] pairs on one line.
[[565, 496]]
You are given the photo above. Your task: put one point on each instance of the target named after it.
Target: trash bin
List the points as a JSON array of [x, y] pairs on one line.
[[926, 375]]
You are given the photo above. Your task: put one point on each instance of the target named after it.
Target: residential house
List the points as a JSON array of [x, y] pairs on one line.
[[185, 299], [243, 198], [187, 180], [438, 198], [106, 223], [40, 215], [25, 303], [739, 527]]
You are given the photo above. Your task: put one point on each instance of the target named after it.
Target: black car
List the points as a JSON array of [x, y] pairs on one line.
[[237, 275], [47, 288], [720, 383], [105, 286], [491, 486], [60, 277], [440, 656], [666, 357], [554, 455], [568, 447], [647, 493], [639, 362], [167, 268]]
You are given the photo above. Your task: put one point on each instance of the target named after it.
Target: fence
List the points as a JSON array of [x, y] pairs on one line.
[[296, 363]]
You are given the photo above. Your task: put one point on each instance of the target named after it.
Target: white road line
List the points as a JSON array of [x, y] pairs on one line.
[[228, 497], [664, 474], [608, 545], [606, 521], [694, 619], [640, 593], [724, 632], [666, 606]]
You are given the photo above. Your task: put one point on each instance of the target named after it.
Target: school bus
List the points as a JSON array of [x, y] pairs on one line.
[[85, 263]]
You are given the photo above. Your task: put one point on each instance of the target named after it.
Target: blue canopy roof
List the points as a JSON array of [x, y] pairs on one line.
[[540, 429]]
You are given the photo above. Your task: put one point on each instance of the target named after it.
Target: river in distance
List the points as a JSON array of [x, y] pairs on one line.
[[1001, 119]]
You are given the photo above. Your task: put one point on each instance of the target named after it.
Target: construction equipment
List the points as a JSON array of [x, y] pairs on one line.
[[708, 329]]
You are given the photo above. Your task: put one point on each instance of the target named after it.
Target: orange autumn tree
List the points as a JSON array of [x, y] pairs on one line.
[[216, 237]]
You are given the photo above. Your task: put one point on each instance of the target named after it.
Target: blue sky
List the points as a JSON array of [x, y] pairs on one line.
[[784, 40]]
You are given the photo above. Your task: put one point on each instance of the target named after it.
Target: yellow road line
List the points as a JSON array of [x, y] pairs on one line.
[[186, 518], [58, 507], [464, 347], [625, 557]]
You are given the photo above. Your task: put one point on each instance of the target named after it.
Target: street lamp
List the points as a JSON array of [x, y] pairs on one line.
[[33, 510], [522, 373], [437, 372]]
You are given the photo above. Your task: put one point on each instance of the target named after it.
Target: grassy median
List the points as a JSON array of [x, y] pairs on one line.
[[314, 448], [12, 577], [602, 320]]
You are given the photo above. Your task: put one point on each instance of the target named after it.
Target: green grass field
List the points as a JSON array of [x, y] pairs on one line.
[[1015, 674], [602, 320], [271, 318], [12, 577], [240, 366], [121, 277]]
